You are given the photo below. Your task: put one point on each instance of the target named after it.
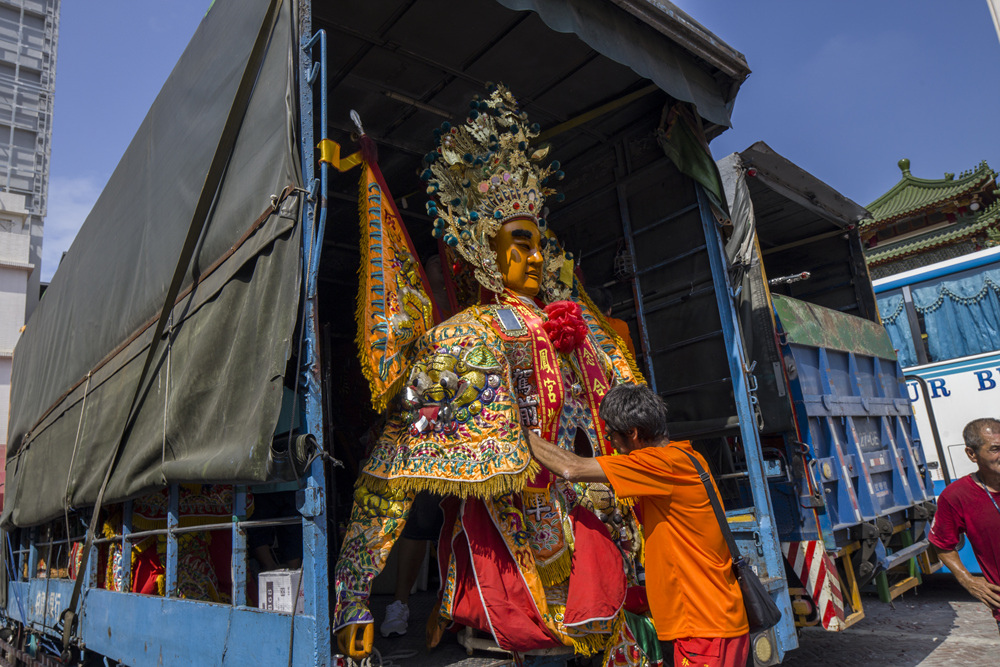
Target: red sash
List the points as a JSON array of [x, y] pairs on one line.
[[549, 382], [544, 362]]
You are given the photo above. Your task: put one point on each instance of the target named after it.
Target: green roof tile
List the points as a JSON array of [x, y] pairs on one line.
[[912, 195], [987, 219]]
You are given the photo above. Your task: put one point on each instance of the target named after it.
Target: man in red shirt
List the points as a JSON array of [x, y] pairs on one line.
[[693, 594], [971, 505]]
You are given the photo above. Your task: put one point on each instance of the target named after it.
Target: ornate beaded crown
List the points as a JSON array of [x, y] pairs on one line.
[[483, 174]]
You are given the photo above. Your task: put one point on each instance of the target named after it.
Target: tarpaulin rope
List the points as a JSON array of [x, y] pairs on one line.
[[72, 460], [206, 199]]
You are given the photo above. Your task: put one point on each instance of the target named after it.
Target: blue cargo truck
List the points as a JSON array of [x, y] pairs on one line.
[[189, 382], [849, 483]]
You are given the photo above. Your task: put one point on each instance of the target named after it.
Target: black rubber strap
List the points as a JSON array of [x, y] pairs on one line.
[[210, 187]]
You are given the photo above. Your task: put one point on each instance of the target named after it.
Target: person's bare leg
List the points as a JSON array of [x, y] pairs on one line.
[[409, 556]]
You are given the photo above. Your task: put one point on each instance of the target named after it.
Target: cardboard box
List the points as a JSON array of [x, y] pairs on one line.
[[275, 590]]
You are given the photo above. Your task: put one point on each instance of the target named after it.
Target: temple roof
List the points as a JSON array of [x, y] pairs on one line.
[[912, 195], [987, 220]]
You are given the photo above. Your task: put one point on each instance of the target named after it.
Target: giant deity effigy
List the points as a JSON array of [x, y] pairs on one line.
[[529, 559]]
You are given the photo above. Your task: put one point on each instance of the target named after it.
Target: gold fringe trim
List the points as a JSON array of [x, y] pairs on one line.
[[556, 570], [591, 644], [360, 336], [380, 399], [497, 485], [612, 334]]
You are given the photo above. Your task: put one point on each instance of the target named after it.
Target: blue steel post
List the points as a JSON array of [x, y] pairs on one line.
[[238, 565], [127, 545], [91, 575], [21, 553], [905, 461], [750, 437], [902, 496], [33, 553], [173, 519], [312, 499]]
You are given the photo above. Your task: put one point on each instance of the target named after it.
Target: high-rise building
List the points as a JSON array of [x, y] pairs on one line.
[[29, 32]]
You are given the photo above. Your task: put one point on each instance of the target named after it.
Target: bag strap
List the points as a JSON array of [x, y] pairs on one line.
[[713, 497], [213, 178]]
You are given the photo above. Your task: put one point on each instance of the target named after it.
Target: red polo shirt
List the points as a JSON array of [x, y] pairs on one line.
[[965, 507]]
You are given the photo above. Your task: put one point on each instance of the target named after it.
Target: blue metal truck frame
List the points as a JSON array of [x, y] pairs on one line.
[[218, 634]]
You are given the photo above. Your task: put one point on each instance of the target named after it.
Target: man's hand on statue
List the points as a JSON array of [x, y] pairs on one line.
[[528, 433], [982, 590], [564, 463], [356, 640]]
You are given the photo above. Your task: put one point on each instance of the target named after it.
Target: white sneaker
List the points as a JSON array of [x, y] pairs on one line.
[[397, 615]]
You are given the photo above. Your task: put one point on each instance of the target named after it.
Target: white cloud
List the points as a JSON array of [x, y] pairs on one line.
[[70, 200]]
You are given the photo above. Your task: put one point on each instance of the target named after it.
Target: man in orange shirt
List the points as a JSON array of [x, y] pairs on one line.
[[693, 594]]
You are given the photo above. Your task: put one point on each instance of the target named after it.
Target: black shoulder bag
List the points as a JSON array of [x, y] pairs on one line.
[[762, 613]]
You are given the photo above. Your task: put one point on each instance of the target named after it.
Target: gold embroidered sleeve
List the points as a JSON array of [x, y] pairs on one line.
[[377, 519]]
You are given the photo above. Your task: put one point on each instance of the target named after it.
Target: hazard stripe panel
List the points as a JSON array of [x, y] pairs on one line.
[[818, 574]]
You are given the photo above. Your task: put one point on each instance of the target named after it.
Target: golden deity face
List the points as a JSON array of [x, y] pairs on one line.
[[518, 245]]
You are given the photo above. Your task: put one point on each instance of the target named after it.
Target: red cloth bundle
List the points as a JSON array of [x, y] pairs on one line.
[[565, 326]]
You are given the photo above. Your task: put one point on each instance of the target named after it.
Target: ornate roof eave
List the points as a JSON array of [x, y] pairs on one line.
[[987, 220], [912, 195]]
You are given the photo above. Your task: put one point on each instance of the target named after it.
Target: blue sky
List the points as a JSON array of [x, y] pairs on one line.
[[843, 89], [114, 56]]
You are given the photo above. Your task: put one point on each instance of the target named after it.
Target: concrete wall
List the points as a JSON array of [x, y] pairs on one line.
[[15, 240], [5, 365]]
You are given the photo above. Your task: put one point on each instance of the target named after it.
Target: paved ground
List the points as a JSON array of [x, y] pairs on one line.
[[937, 625]]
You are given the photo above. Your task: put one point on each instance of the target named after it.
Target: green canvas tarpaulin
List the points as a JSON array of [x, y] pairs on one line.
[[213, 393], [657, 41], [808, 324]]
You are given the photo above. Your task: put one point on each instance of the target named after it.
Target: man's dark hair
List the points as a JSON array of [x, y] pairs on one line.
[[635, 406], [601, 298], [973, 431]]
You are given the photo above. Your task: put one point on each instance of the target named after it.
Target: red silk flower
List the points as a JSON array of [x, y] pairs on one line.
[[566, 327]]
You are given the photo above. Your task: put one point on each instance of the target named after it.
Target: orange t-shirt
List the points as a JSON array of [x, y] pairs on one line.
[[690, 583], [621, 328]]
